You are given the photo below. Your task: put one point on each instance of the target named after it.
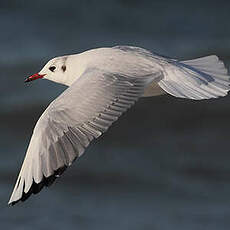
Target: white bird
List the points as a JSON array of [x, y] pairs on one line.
[[104, 83]]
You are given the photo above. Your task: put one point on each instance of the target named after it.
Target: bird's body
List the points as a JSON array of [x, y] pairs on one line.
[[127, 61], [104, 83]]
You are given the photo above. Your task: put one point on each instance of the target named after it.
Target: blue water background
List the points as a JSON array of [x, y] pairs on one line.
[[164, 165]]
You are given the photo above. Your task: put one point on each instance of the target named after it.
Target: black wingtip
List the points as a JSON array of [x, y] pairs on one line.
[[37, 187]]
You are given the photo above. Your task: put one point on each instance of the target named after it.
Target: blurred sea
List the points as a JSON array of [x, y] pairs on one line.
[[165, 164]]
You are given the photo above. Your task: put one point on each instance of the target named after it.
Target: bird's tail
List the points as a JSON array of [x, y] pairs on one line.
[[197, 79]]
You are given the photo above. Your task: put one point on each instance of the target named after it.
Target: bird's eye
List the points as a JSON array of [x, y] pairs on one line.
[[52, 68]]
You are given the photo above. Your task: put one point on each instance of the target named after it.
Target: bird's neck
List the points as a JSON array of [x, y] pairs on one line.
[[76, 65]]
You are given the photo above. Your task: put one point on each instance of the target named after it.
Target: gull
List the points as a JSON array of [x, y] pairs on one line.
[[102, 84]]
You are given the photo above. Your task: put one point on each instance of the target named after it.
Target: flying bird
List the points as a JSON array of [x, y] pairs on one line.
[[103, 84]]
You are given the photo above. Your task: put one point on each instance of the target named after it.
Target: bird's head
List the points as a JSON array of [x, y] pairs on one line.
[[55, 70]]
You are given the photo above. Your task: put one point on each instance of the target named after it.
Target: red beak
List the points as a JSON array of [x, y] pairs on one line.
[[34, 77]]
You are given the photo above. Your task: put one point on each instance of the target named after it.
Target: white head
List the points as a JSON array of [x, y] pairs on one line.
[[64, 70], [55, 70]]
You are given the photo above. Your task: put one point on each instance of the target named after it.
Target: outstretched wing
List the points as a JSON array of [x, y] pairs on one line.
[[81, 113], [197, 79]]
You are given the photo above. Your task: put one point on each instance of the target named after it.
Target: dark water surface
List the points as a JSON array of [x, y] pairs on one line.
[[164, 165]]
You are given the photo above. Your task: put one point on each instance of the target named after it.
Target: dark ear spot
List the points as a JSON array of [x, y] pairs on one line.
[[63, 68]]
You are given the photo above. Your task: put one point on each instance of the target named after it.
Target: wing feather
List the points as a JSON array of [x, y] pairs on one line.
[[197, 79], [81, 113]]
